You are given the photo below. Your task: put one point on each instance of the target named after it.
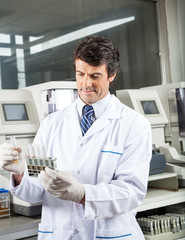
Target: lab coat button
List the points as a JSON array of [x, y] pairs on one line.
[[78, 172], [76, 230], [81, 144]]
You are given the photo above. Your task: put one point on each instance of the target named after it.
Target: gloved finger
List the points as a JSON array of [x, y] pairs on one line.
[[42, 176], [61, 180], [15, 168], [49, 183], [53, 174], [7, 151], [7, 162], [59, 188], [6, 146], [59, 175], [58, 194], [46, 179], [8, 155]]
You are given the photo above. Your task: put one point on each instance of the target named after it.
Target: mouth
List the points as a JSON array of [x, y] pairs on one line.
[[88, 91]]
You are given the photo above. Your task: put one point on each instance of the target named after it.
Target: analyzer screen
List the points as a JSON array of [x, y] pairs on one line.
[[15, 112], [149, 107]]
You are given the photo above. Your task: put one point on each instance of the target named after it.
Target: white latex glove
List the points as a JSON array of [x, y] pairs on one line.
[[62, 185], [11, 160]]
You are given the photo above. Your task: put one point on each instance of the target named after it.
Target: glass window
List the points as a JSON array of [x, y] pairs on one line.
[[37, 39]]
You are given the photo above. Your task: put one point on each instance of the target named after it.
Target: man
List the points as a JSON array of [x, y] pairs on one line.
[[103, 151]]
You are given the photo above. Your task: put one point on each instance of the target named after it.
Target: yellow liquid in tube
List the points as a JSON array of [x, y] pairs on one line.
[[15, 161], [13, 142]]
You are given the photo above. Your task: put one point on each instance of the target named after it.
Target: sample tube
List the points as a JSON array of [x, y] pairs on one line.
[[14, 143], [30, 149], [43, 151], [36, 148]]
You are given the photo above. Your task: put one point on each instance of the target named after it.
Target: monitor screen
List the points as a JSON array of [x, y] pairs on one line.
[[149, 107], [15, 112]]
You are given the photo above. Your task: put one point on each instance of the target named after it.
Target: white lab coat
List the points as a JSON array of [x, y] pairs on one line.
[[112, 160]]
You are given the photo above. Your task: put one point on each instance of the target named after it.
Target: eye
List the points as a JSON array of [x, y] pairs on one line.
[[95, 76], [79, 74]]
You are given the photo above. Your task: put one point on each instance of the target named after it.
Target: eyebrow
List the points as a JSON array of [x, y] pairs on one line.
[[95, 73]]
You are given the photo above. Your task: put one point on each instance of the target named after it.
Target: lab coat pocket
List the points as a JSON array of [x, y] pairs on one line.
[[108, 162], [113, 234], [45, 232]]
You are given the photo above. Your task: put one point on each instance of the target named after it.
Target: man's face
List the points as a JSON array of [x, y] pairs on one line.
[[92, 82]]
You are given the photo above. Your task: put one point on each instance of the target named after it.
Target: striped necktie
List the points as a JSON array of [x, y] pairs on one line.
[[87, 119]]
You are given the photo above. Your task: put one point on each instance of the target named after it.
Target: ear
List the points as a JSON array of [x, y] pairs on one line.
[[112, 77]]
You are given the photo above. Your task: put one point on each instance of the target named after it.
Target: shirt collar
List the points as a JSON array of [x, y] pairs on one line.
[[98, 107]]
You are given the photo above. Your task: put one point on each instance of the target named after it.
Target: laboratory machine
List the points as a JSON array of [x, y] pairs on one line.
[[171, 225], [18, 117], [173, 100], [148, 103], [53, 96], [21, 112]]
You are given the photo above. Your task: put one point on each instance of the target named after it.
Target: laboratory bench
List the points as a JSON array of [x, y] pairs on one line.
[[19, 227]]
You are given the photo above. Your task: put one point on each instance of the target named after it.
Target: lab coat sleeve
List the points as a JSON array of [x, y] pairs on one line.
[[29, 190], [128, 187]]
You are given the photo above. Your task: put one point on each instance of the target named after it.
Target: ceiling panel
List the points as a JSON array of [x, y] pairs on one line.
[[37, 17], [77, 8], [21, 5], [43, 22]]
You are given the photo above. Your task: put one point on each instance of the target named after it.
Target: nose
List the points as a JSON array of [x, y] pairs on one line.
[[87, 81]]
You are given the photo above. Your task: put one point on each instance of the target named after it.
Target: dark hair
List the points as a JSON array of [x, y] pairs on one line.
[[95, 51]]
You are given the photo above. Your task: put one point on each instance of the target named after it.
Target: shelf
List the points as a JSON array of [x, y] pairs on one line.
[[161, 176], [166, 180], [157, 198]]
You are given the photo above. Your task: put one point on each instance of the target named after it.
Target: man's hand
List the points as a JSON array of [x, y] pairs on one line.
[[11, 160], [62, 185]]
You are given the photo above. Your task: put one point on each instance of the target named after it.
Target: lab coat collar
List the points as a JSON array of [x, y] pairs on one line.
[[114, 108], [112, 111], [98, 107]]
